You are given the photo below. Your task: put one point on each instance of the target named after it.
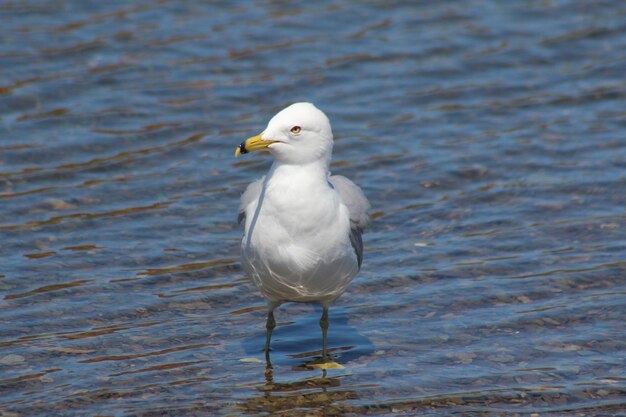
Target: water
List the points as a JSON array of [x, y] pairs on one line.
[[489, 137]]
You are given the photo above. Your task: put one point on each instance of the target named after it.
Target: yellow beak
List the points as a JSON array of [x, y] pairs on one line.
[[252, 144]]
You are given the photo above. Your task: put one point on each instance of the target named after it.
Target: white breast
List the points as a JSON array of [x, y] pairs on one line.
[[296, 245]]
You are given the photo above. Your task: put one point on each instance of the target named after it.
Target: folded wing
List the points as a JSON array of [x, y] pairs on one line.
[[251, 194], [356, 202]]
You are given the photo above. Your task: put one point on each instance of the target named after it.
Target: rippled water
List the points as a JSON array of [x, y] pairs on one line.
[[489, 137]]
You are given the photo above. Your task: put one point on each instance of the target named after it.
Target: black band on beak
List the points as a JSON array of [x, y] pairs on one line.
[[242, 147]]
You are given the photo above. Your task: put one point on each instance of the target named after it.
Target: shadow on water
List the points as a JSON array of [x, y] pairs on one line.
[[297, 338]]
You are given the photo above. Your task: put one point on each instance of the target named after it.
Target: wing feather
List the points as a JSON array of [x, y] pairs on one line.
[[356, 202], [251, 194]]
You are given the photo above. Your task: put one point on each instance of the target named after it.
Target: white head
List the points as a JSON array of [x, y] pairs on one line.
[[298, 134]]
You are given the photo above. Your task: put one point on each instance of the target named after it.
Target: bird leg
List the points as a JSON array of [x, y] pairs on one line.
[[324, 326], [269, 326]]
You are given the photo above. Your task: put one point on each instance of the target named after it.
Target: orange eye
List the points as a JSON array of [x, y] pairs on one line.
[[296, 130]]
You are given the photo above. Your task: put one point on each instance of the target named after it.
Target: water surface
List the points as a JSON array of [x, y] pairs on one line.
[[488, 136]]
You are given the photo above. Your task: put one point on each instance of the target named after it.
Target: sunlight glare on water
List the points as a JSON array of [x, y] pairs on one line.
[[488, 136]]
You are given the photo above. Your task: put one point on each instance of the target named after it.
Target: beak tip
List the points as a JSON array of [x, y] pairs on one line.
[[241, 149]]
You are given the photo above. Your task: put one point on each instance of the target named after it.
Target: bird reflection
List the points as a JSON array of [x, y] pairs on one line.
[[293, 382], [318, 393]]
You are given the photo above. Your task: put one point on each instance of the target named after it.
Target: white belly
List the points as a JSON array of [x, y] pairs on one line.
[[299, 250]]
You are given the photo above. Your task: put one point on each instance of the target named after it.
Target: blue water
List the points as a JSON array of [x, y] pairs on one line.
[[489, 137]]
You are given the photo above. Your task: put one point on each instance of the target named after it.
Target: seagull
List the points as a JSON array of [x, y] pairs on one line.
[[302, 239]]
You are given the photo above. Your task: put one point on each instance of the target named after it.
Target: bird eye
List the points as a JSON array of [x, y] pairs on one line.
[[296, 130]]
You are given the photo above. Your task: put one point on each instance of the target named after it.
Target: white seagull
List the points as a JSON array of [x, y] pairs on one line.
[[302, 239]]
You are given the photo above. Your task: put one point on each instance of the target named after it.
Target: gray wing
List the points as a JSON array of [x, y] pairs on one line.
[[352, 196], [251, 194]]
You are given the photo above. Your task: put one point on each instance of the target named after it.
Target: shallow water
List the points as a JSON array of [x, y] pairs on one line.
[[489, 137]]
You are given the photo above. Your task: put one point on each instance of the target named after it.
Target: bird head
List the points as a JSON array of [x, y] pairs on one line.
[[298, 134]]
